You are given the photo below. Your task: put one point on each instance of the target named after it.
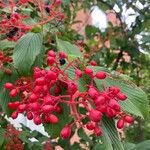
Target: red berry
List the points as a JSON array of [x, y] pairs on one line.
[[98, 131], [21, 108], [90, 126], [120, 123], [110, 112], [40, 81], [48, 100], [78, 73], [114, 89], [47, 108], [14, 115], [92, 92], [51, 53], [93, 63], [66, 132], [100, 75], [57, 2], [13, 105], [62, 55], [95, 115], [58, 109], [37, 120], [114, 104], [100, 100], [13, 93], [35, 106], [29, 115], [121, 96], [37, 89], [129, 119], [53, 119], [72, 87], [88, 71], [8, 86], [50, 61], [33, 97], [51, 75]]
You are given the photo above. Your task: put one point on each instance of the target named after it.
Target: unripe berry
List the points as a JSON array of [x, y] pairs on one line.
[[29, 115], [98, 131], [78, 73], [47, 108], [120, 123], [51, 75], [51, 53], [8, 86], [37, 120], [53, 119], [129, 119], [92, 92], [100, 100], [88, 71], [13, 93], [100, 75], [14, 115], [65, 132], [95, 115], [90, 126], [121, 96]]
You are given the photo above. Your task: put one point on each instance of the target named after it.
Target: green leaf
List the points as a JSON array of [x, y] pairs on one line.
[[145, 145], [5, 44], [129, 146], [4, 94], [26, 51], [108, 126], [136, 97], [70, 49], [65, 2], [54, 129], [2, 131]]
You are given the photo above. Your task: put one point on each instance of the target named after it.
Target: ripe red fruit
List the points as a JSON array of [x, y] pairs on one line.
[[62, 54], [51, 75], [100, 100], [51, 53], [21, 108], [13, 93], [40, 81], [90, 126], [50, 61], [93, 63], [114, 89], [33, 97], [78, 73], [37, 89], [110, 112], [121, 96], [95, 115], [35, 106], [58, 109], [14, 115], [92, 92], [98, 131], [72, 87], [53, 119], [29, 115], [8, 86], [120, 123], [13, 105], [88, 71], [37, 120], [114, 104], [47, 108], [65, 132], [129, 119], [48, 100], [100, 75]]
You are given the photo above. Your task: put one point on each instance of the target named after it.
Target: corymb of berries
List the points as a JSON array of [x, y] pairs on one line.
[[43, 95]]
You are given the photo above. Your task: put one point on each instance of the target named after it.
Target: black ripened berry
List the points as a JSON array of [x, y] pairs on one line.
[[12, 32], [47, 9], [62, 61]]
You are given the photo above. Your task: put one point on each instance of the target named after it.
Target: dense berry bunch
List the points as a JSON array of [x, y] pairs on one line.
[[14, 23], [4, 60], [43, 95]]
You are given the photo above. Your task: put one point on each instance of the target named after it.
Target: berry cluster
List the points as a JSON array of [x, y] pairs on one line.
[[13, 141], [43, 95], [13, 24], [4, 60]]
